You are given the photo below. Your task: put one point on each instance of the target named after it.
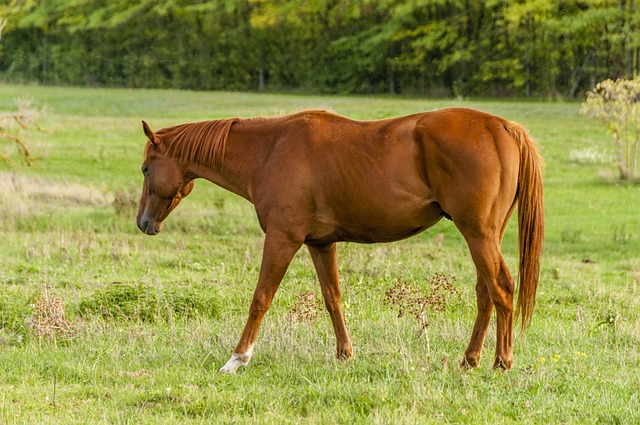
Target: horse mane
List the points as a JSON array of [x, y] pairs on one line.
[[199, 142], [204, 142]]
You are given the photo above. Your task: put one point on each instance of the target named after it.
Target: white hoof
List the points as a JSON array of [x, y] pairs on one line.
[[235, 362]]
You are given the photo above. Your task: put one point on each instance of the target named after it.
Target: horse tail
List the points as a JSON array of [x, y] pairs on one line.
[[530, 221]]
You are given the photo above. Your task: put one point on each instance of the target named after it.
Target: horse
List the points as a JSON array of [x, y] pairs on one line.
[[316, 178]]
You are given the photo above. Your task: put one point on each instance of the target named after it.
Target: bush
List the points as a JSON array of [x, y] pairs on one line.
[[617, 105]]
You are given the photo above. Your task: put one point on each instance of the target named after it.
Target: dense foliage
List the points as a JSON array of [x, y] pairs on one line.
[[446, 47]]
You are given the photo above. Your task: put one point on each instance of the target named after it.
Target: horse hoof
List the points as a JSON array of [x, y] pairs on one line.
[[344, 355], [235, 362], [469, 363], [501, 364]]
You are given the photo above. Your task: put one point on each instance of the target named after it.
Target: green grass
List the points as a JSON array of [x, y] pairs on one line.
[[578, 363]]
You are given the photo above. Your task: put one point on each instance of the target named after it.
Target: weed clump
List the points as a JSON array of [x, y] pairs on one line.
[[306, 308], [410, 300], [414, 302], [147, 304], [48, 319]]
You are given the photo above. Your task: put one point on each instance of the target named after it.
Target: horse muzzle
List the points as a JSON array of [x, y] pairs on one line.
[[148, 226]]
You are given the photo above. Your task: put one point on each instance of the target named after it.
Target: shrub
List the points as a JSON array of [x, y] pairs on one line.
[[617, 105]]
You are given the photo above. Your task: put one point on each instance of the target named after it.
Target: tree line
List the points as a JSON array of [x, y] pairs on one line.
[[428, 47]]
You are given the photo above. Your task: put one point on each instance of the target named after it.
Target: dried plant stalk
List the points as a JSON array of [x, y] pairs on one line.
[[412, 301], [14, 127]]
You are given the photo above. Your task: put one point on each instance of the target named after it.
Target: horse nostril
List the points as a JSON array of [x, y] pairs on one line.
[[148, 226], [143, 225]]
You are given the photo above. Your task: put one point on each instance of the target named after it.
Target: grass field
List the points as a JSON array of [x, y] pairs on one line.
[[149, 321]]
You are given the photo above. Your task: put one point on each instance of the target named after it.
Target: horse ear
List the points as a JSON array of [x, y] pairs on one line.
[[148, 132]]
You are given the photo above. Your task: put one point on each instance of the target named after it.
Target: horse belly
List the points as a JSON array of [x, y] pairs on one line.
[[370, 223]]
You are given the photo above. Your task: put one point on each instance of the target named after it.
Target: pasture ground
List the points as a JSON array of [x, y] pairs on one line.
[[102, 324]]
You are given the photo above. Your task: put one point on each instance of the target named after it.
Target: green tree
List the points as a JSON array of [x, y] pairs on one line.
[[453, 47]]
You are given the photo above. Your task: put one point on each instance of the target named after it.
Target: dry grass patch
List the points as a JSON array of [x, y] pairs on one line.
[[48, 319], [35, 190], [24, 196]]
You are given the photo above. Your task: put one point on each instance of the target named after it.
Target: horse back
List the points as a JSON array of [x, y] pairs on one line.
[[371, 181]]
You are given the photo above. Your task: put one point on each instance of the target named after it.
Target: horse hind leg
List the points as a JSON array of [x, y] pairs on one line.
[[485, 307], [493, 273], [325, 260]]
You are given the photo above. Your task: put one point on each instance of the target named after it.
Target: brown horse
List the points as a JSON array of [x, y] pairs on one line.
[[317, 178]]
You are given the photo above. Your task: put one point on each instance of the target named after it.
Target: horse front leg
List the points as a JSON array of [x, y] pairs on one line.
[[325, 260], [278, 252]]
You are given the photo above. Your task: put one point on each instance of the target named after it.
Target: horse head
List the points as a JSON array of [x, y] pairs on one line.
[[165, 184]]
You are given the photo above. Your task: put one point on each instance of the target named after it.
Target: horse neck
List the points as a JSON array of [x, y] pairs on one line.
[[245, 146]]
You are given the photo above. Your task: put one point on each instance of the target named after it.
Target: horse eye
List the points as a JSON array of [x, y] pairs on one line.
[[145, 170]]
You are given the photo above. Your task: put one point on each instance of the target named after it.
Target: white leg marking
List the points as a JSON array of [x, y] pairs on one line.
[[236, 361]]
